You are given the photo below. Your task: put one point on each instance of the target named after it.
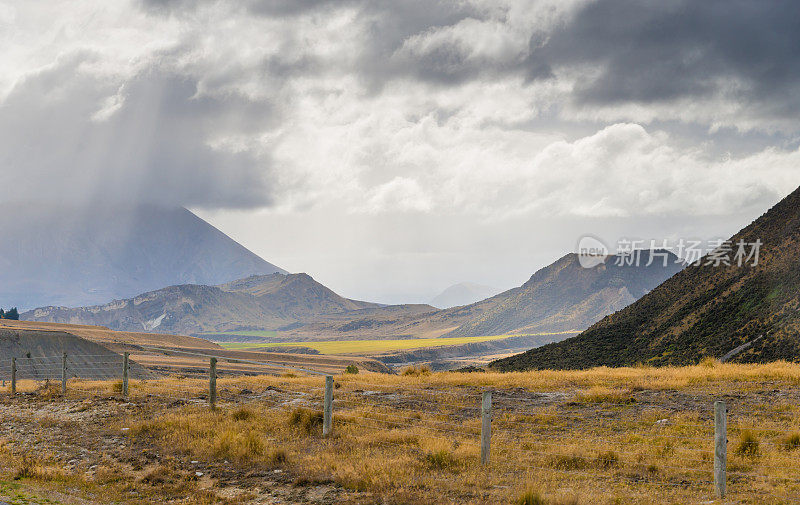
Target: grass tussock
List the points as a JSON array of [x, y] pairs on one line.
[[309, 420], [791, 442], [602, 394], [607, 459], [242, 414], [34, 468], [748, 445], [49, 390], [211, 435], [416, 371], [441, 459], [709, 362], [531, 497]]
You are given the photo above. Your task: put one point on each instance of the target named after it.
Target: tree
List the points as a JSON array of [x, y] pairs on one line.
[[2, 313], [12, 314]]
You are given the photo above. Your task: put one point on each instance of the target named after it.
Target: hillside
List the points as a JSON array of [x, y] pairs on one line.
[[65, 255], [565, 296], [262, 302], [117, 341], [38, 354], [705, 310]]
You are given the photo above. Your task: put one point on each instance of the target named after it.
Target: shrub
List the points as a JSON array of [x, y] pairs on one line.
[[748, 445], [352, 369]]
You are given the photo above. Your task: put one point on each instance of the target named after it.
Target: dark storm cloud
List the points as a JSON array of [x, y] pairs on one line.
[[389, 23], [642, 51], [154, 147], [658, 51]]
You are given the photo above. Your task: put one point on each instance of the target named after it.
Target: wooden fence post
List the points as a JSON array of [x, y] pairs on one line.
[[13, 376], [720, 448], [486, 427], [212, 383], [125, 357], [64, 374], [327, 418]]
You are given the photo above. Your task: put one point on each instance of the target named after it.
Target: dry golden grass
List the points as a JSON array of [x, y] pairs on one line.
[[630, 435]]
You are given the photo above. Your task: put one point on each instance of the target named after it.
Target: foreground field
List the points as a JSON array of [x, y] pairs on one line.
[[633, 435], [374, 346]]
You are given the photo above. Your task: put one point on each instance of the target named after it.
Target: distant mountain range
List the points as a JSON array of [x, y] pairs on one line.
[[706, 310], [274, 302], [463, 293], [562, 297], [86, 255], [68, 256]]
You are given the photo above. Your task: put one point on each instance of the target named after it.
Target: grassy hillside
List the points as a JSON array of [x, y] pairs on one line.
[[704, 310]]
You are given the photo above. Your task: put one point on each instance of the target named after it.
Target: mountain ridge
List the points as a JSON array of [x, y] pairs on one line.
[[277, 299], [703, 311]]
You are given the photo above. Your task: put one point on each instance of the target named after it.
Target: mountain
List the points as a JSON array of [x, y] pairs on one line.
[[566, 296], [462, 294], [68, 255], [270, 302], [562, 297], [705, 310]]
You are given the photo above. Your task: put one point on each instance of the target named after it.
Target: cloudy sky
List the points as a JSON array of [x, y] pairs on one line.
[[391, 148]]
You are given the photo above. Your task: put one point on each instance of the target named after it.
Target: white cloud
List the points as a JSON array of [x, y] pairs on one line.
[[401, 194]]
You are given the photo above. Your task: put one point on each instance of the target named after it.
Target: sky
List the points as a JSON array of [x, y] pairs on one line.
[[391, 148]]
